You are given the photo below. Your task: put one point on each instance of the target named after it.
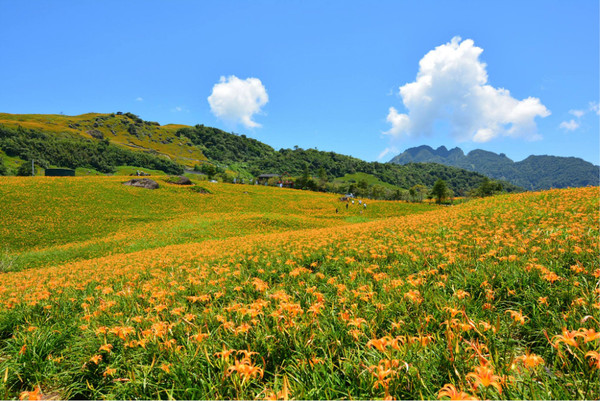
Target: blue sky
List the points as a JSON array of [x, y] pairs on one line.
[[319, 74]]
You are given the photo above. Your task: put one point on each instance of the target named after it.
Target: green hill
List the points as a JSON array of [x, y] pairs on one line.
[[125, 130], [247, 154]]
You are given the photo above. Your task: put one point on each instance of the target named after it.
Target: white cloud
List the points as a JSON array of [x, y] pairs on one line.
[[139, 99], [577, 113], [571, 125], [387, 151], [451, 86], [237, 100], [179, 109], [595, 107]]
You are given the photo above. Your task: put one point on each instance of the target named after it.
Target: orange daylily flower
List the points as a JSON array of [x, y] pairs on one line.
[[484, 376], [454, 394]]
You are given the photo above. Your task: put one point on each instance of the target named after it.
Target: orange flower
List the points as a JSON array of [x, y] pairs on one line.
[[96, 359], [594, 359], [31, 395], [245, 369], [106, 347], [357, 322], [567, 337], [454, 394], [380, 344], [414, 296], [484, 376], [530, 361], [517, 316], [589, 334]]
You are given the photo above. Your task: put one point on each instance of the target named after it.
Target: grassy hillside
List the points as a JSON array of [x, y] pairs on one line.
[[261, 292], [126, 130], [49, 220]]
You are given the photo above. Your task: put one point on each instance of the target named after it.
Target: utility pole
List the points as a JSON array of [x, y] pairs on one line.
[[32, 169]]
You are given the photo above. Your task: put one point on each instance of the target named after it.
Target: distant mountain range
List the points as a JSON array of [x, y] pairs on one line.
[[533, 173]]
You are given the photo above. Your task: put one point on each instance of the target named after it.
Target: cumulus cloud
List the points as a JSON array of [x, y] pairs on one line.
[[595, 107], [238, 100], [451, 86], [571, 125]]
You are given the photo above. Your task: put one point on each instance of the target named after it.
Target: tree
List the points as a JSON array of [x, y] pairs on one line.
[[3, 169], [487, 187], [322, 175], [440, 191], [209, 169], [24, 169], [417, 193]]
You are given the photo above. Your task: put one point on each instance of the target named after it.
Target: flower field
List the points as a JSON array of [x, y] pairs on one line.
[[267, 293]]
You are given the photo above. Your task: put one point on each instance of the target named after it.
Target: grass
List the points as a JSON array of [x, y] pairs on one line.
[[368, 178], [255, 292], [49, 220], [114, 127]]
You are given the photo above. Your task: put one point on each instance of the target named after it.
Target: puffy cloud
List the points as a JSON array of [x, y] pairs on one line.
[[595, 107], [577, 113], [237, 100], [451, 86], [571, 125]]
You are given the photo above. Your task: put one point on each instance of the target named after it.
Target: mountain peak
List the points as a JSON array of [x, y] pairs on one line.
[[535, 172]]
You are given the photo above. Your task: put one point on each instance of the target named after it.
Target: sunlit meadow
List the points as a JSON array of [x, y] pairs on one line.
[[251, 292]]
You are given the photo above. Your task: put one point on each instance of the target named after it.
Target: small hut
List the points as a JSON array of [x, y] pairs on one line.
[[59, 172], [263, 179]]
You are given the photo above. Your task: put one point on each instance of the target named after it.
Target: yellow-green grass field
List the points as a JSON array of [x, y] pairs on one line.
[[161, 139], [256, 292]]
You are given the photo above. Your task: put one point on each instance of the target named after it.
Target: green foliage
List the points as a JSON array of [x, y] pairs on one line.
[[223, 147], [417, 193], [440, 191], [73, 152], [257, 158], [24, 169], [3, 168], [487, 187], [207, 168]]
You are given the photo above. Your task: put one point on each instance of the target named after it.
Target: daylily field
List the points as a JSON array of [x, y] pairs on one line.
[[114, 292]]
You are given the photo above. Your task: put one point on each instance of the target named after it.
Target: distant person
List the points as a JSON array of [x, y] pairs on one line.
[[365, 205], [336, 210], [360, 202], [353, 201], [346, 205]]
